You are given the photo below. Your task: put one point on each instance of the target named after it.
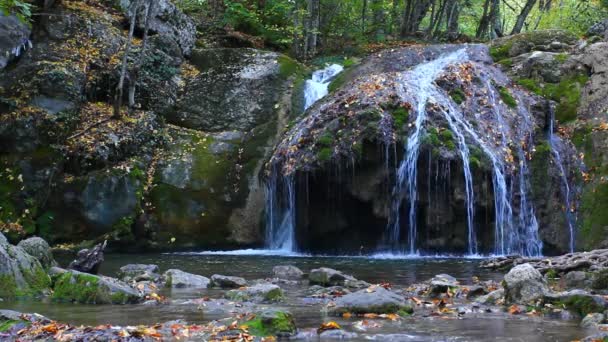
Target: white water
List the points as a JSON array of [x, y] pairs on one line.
[[554, 143], [318, 87], [280, 213]]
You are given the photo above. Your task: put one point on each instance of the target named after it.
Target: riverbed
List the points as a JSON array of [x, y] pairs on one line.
[[400, 273]]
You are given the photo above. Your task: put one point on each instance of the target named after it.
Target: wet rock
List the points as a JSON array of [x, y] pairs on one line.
[[329, 277], [592, 320], [537, 65], [373, 300], [79, 287], [227, 282], [146, 288], [20, 273], [491, 298], [287, 272], [337, 334], [219, 307], [260, 293], [576, 279], [139, 272], [272, 322], [167, 20], [89, 260], [540, 40], [524, 284], [476, 291], [442, 283], [14, 38], [578, 301], [317, 291], [39, 249], [179, 279]]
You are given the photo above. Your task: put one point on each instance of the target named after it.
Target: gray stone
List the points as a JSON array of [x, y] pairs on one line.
[[442, 283], [167, 20], [491, 298], [259, 293], [14, 38], [373, 300], [52, 105], [20, 272], [179, 279], [74, 286], [337, 334], [476, 291], [592, 320], [139, 272], [39, 249], [329, 277], [524, 284], [599, 29], [287, 272], [576, 279], [227, 282]]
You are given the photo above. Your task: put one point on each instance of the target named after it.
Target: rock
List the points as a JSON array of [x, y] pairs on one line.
[[373, 300], [540, 40], [524, 284], [317, 291], [14, 321], [491, 298], [592, 320], [599, 29], [227, 282], [537, 65], [260, 293], [272, 322], [14, 38], [79, 287], [329, 277], [89, 260], [576, 279], [21, 275], [39, 249], [179, 279], [476, 291], [139, 272], [578, 301], [442, 283], [241, 87], [337, 334], [167, 20], [287, 272]]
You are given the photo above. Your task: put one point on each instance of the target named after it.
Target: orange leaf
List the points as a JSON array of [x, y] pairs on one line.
[[328, 326]]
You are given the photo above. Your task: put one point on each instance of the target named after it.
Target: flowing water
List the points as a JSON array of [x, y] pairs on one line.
[[318, 86], [308, 313]]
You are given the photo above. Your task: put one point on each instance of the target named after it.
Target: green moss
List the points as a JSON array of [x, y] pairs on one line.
[[531, 85], [506, 97], [338, 82], [539, 166], [432, 138], [551, 274], [324, 154], [349, 62], [568, 95], [507, 62], [80, 288], [600, 281], [562, 57], [288, 66], [405, 311], [275, 295], [583, 305], [326, 140], [271, 323], [8, 286], [400, 116], [474, 162], [119, 298], [7, 325], [594, 212], [500, 52], [458, 96]]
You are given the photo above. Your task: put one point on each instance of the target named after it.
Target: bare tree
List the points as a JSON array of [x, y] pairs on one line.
[[142, 54], [125, 59]]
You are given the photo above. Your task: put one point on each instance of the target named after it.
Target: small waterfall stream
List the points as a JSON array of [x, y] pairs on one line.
[[318, 86]]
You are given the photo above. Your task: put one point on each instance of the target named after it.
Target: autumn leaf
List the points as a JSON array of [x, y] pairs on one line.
[[328, 326]]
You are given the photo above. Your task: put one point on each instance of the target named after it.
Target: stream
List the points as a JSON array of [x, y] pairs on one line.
[[308, 315]]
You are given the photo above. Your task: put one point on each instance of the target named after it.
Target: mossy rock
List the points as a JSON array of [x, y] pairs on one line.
[[540, 40], [583, 305], [73, 286], [272, 323]]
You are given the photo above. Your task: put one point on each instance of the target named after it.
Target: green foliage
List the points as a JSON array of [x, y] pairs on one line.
[[324, 154], [20, 8], [400, 116], [80, 288], [458, 96], [500, 52], [567, 94], [506, 97], [268, 324]]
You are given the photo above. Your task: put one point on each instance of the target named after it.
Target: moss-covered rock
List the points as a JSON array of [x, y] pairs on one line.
[[271, 323], [74, 286], [541, 40], [21, 275], [260, 293]]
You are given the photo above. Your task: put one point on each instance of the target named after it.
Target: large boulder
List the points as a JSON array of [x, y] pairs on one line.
[[542, 40], [179, 279], [39, 249], [14, 38], [166, 20], [20, 273], [372, 300], [240, 87], [78, 287], [524, 284], [139, 272], [287, 272]]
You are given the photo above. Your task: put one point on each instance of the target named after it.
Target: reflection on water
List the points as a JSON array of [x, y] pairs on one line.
[[472, 327]]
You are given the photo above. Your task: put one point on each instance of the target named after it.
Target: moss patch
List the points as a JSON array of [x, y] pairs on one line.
[[506, 97], [8, 286], [458, 95], [288, 67], [272, 324], [81, 288], [594, 210], [583, 305], [400, 116], [500, 52]]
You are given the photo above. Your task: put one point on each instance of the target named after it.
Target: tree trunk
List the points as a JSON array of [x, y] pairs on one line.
[[379, 20], [363, 15], [453, 20], [521, 18], [123, 71], [142, 54], [312, 27], [395, 17]]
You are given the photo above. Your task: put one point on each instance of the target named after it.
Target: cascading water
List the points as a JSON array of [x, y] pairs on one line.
[[280, 195], [555, 151], [318, 87], [422, 90]]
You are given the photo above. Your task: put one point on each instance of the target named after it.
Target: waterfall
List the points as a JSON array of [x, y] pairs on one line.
[[554, 143], [280, 212], [318, 86]]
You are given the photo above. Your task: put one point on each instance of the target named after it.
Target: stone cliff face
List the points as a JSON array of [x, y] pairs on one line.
[[180, 171]]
